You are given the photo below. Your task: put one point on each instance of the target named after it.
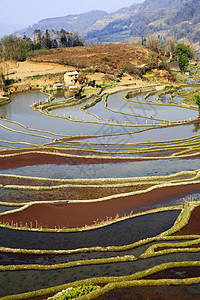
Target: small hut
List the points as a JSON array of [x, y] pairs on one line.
[[70, 78]]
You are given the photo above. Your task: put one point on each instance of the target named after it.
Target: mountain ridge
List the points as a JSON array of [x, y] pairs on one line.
[[163, 17]]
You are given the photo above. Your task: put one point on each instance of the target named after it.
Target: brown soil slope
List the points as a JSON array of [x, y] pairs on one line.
[[109, 58]]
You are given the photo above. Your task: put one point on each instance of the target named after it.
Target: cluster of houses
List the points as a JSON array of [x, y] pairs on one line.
[[70, 79]]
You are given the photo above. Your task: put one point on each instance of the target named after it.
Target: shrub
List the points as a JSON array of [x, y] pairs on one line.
[[78, 291], [132, 70], [105, 58]]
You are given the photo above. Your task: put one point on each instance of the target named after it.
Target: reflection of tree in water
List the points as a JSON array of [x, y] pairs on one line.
[[196, 127]]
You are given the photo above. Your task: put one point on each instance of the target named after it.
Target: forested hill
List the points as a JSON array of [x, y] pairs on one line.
[[179, 18]]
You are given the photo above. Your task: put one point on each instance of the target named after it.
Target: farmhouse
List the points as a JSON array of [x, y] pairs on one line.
[[70, 77]]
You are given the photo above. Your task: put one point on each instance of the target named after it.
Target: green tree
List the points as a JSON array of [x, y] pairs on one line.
[[13, 47], [183, 62], [182, 49], [183, 53], [197, 101]]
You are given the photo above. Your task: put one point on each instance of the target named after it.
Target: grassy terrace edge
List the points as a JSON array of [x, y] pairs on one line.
[[155, 185], [136, 279], [95, 226], [45, 106], [181, 221], [111, 283]]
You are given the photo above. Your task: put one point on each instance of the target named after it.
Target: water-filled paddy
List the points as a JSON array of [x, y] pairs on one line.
[[165, 99], [19, 111], [165, 112], [117, 117], [75, 112], [108, 115], [182, 292], [52, 259], [178, 100], [16, 135], [188, 88], [152, 98], [175, 200], [121, 233], [6, 208], [151, 135], [13, 282], [36, 120], [159, 167]]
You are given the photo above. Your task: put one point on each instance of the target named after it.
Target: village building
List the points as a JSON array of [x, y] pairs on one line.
[[58, 85], [70, 78]]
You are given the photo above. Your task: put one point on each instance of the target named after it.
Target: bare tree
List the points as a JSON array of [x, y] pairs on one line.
[[154, 43], [170, 47], [53, 39], [37, 37], [2, 79], [46, 40]]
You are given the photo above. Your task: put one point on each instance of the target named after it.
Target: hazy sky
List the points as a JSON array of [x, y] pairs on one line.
[[28, 12]]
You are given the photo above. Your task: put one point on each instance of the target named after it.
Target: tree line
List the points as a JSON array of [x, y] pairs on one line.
[[17, 47], [54, 39], [173, 50]]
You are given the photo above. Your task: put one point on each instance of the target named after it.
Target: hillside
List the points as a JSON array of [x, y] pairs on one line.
[[78, 23], [109, 58], [109, 61], [179, 18], [163, 18], [186, 22]]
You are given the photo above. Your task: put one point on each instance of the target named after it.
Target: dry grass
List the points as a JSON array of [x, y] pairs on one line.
[[108, 58]]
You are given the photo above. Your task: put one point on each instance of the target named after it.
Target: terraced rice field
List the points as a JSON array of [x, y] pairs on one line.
[[102, 191]]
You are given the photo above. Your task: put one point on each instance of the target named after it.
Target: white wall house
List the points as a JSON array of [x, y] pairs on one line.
[[70, 78]]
